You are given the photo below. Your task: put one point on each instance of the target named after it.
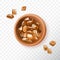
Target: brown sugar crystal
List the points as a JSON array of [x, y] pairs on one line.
[[49, 51], [23, 8], [45, 47], [14, 11], [10, 16], [25, 28], [52, 43]]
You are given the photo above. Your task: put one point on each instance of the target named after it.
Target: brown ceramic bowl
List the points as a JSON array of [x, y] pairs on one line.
[[40, 20]]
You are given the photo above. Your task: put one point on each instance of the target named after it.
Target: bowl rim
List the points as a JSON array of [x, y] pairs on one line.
[[40, 19]]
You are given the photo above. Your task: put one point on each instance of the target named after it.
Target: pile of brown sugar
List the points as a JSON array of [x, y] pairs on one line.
[[29, 30]]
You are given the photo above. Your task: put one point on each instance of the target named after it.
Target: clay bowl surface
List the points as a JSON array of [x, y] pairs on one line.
[[37, 18]]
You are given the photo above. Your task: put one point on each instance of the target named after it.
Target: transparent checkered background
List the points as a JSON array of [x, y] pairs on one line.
[[10, 48]]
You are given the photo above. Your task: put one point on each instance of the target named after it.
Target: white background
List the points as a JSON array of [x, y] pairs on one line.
[[10, 48]]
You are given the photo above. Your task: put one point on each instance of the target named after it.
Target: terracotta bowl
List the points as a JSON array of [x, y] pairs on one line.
[[39, 19]]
